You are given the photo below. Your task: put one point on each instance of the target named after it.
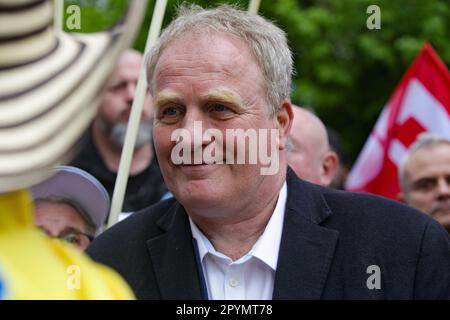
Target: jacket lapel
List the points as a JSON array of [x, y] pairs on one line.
[[305, 255], [306, 249], [173, 257]]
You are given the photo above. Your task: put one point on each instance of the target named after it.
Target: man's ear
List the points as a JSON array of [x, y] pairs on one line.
[[284, 118], [329, 168], [401, 197]]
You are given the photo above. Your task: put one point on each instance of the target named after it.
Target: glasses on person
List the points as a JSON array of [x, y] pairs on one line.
[[79, 239], [74, 237]]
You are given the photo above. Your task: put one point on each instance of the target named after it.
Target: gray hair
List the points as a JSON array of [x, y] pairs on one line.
[[424, 141], [267, 42]]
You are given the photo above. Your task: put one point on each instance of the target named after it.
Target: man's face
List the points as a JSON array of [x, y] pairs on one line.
[[304, 158], [116, 105], [62, 221], [428, 179], [213, 79], [308, 147]]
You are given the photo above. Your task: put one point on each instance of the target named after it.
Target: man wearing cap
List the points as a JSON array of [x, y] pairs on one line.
[[71, 205], [50, 86]]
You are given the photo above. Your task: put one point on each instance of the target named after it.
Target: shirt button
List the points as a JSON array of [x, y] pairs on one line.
[[233, 282]]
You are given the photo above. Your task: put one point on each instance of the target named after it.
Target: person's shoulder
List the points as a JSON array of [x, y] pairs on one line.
[[371, 204], [404, 241], [132, 231], [350, 210], [374, 214]]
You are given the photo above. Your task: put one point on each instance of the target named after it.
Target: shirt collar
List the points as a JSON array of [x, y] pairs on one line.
[[266, 247]]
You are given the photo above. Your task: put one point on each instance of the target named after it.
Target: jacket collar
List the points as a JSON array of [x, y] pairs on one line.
[[305, 256], [173, 258], [307, 248]]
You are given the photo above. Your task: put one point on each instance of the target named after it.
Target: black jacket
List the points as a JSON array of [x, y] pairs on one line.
[[330, 239]]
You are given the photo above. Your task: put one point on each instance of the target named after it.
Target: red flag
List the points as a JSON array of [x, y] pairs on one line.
[[421, 102]]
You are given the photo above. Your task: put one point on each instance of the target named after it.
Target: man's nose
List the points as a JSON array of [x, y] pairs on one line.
[[130, 91], [194, 122], [443, 188]]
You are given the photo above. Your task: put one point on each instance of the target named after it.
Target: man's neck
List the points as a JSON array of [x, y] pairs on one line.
[[111, 153], [236, 238]]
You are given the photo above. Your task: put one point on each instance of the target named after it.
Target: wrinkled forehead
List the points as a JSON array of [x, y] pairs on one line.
[[128, 68], [429, 160], [216, 50]]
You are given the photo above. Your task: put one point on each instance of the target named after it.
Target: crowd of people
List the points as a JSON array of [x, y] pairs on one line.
[[223, 230]]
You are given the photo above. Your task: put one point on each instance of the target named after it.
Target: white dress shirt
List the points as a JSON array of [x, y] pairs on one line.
[[252, 276]]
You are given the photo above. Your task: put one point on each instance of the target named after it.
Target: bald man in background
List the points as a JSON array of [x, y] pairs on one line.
[[309, 154]]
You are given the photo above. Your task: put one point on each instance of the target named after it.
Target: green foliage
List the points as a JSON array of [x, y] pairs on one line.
[[96, 15], [347, 72], [344, 71]]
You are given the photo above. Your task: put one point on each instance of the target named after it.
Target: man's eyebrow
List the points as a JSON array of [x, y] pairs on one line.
[[164, 98], [116, 83], [225, 96]]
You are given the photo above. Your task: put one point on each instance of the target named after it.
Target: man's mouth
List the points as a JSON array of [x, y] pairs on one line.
[[196, 171], [442, 208], [204, 163]]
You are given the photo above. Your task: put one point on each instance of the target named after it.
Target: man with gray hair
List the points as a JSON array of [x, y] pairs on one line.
[[232, 231], [425, 177]]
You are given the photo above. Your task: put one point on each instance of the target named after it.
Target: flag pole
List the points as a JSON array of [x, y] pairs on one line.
[[135, 118], [58, 14], [253, 6]]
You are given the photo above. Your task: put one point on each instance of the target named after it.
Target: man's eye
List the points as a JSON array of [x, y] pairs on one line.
[[71, 238], [218, 108], [447, 179], [170, 114], [118, 86], [170, 111], [425, 184]]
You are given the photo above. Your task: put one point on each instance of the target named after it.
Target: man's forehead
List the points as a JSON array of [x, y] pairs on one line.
[[309, 130], [214, 41], [128, 70], [207, 50], [433, 157], [440, 151]]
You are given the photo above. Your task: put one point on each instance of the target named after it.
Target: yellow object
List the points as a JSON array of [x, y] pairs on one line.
[[33, 266]]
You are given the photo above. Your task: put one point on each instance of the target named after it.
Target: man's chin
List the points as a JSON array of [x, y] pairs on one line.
[[200, 193], [441, 212], [442, 215], [118, 131], [444, 221], [198, 172]]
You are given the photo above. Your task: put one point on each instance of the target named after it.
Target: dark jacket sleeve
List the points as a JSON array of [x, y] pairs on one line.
[[432, 279]]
